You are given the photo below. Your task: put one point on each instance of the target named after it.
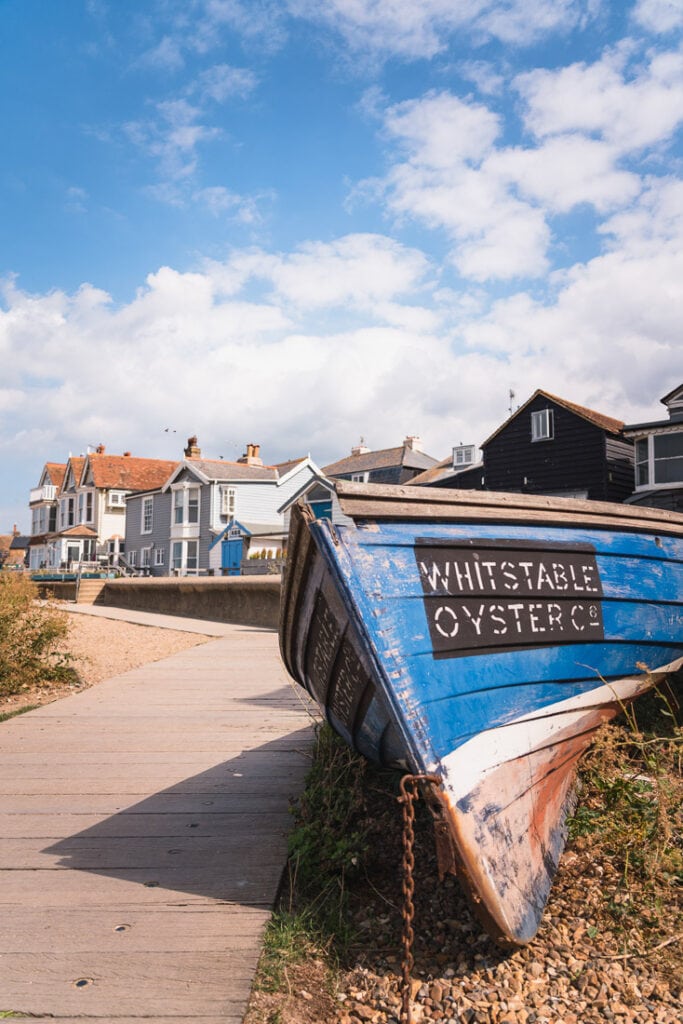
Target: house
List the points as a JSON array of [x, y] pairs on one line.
[[385, 466], [211, 514], [549, 446], [459, 469], [79, 508], [13, 550], [659, 457]]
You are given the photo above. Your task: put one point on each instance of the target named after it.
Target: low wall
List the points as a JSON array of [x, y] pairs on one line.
[[57, 590], [254, 601]]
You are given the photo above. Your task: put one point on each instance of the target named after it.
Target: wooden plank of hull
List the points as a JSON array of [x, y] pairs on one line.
[[507, 789], [382, 501]]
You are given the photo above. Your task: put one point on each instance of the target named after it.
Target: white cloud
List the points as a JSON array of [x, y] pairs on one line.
[[566, 171], [413, 30], [222, 81], [628, 111], [173, 137], [659, 15]]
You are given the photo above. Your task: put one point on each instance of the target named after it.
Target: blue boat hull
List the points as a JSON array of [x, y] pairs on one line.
[[485, 650]]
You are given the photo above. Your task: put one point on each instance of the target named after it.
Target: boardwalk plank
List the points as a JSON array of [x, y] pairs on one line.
[[140, 804]]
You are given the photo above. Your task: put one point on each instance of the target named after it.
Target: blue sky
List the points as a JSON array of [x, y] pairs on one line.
[[296, 223]]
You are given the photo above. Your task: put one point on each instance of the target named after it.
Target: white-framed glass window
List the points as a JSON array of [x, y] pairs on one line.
[[132, 558], [116, 499], [642, 462], [228, 501], [668, 458], [85, 506], [659, 459], [146, 558], [359, 478], [66, 513], [463, 455], [186, 506], [147, 515], [159, 556], [542, 425], [185, 556]]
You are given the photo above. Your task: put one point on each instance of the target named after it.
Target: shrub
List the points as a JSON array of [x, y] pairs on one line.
[[30, 637]]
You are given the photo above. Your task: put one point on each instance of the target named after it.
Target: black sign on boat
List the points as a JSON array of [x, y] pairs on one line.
[[479, 597]]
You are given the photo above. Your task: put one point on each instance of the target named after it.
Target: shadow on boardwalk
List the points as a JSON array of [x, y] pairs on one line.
[[219, 835]]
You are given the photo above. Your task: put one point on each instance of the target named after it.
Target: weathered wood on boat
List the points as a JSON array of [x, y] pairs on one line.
[[382, 501], [483, 638]]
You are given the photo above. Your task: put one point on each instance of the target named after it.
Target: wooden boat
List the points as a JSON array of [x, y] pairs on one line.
[[483, 638]]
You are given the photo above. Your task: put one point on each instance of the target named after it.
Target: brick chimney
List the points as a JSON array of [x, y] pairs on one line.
[[193, 451], [361, 448], [414, 443], [251, 457], [100, 449]]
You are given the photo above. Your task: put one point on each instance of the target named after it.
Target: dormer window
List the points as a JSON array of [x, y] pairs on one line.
[[117, 499], [463, 455], [542, 426]]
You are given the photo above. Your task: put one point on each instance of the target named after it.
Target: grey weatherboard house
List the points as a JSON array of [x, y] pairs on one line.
[[210, 511]]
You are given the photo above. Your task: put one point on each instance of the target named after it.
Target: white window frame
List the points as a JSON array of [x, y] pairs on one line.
[[132, 557], [116, 499], [182, 504], [542, 425], [146, 557], [160, 556], [463, 455], [66, 513], [181, 557], [147, 515], [228, 500], [650, 464], [360, 478]]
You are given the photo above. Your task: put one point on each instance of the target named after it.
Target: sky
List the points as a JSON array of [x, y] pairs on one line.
[[298, 223]]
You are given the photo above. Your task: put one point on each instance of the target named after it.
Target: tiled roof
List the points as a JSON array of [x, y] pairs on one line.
[[385, 458], [126, 473], [55, 472], [220, 469], [78, 531], [76, 463], [284, 467], [598, 419], [19, 543]]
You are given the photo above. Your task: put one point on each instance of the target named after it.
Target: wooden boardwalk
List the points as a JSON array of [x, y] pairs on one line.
[[143, 827]]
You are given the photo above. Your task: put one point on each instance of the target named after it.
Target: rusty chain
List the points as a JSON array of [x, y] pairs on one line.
[[409, 793]]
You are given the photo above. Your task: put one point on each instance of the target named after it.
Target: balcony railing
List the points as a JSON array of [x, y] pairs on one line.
[[46, 493]]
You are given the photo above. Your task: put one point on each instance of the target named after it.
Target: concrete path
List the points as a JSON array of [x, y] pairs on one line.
[[143, 826]]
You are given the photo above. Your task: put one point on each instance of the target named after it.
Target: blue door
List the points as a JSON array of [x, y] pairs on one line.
[[231, 556]]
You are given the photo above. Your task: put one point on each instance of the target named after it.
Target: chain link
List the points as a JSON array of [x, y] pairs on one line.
[[409, 793]]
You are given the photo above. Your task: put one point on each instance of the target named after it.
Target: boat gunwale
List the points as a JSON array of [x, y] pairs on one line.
[[361, 501]]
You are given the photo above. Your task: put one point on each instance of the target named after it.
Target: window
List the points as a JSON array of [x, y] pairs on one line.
[[132, 558], [66, 513], [542, 425], [642, 462], [85, 507], [116, 499], [185, 556], [668, 458], [159, 556], [227, 501], [186, 505], [146, 559], [463, 455], [147, 509], [360, 478], [659, 460]]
